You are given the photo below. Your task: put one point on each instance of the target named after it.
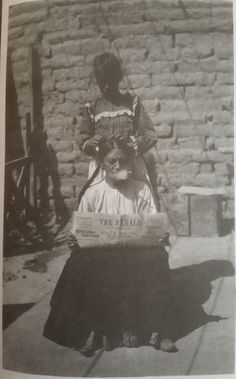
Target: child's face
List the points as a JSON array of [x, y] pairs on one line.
[[110, 87], [117, 166]]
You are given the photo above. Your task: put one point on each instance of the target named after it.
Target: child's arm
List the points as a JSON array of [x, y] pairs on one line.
[[87, 140], [86, 126], [146, 136]]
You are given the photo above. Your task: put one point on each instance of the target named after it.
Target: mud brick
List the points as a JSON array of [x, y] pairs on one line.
[[63, 146], [140, 80], [212, 180], [221, 168], [164, 130], [206, 168], [65, 157], [192, 142], [81, 169], [31, 17], [66, 169]]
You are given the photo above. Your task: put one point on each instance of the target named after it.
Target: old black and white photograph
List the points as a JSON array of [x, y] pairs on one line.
[[118, 188]]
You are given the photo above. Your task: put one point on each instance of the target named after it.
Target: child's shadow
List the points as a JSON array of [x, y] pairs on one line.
[[191, 288]]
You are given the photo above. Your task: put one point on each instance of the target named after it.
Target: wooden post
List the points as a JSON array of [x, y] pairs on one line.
[[32, 123]]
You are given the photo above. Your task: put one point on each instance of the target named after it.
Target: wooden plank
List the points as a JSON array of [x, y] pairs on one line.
[[16, 163]]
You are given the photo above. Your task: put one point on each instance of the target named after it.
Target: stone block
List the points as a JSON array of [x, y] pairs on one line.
[[28, 7], [65, 157], [221, 169], [63, 146], [211, 180], [151, 106], [217, 156], [222, 25], [206, 168], [23, 96], [159, 118], [210, 143], [67, 48], [198, 92], [19, 54], [224, 52], [20, 67], [222, 91], [161, 92], [72, 84], [62, 61], [205, 215], [163, 130], [166, 144], [66, 169], [227, 103], [141, 80], [231, 208], [192, 168], [137, 29], [190, 39], [67, 191], [73, 96], [197, 78], [225, 142], [225, 65], [176, 207], [175, 175], [189, 66], [163, 14], [25, 18], [54, 37], [66, 109], [192, 143], [47, 87], [192, 130], [225, 78], [81, 169], [230, 191], [55, 134], [192, 26], [46, 74], [132, 55], [223, 130], [57, 98], [223, 12], [164, 79], [186, 155]]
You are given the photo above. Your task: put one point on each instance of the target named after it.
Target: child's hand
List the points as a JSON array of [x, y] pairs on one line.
[[94, 142], [120, 138], [72, 242]]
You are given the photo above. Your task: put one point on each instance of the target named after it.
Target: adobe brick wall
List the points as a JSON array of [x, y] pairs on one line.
[[177, 55]]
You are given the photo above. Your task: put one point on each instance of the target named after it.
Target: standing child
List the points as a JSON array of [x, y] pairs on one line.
[[115, 113]]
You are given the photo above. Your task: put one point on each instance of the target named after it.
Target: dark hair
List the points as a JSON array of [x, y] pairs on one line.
[[112, 144], [107, 69]]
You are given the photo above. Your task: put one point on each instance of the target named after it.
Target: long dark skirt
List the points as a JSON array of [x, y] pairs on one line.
[[110, 291]]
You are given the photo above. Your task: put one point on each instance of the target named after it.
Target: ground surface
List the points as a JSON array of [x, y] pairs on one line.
[[202, 269]]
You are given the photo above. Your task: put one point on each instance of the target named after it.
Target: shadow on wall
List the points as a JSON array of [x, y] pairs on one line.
[[45, 157], [26, 232], [191, 289], [14, 144], [14, 147]]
